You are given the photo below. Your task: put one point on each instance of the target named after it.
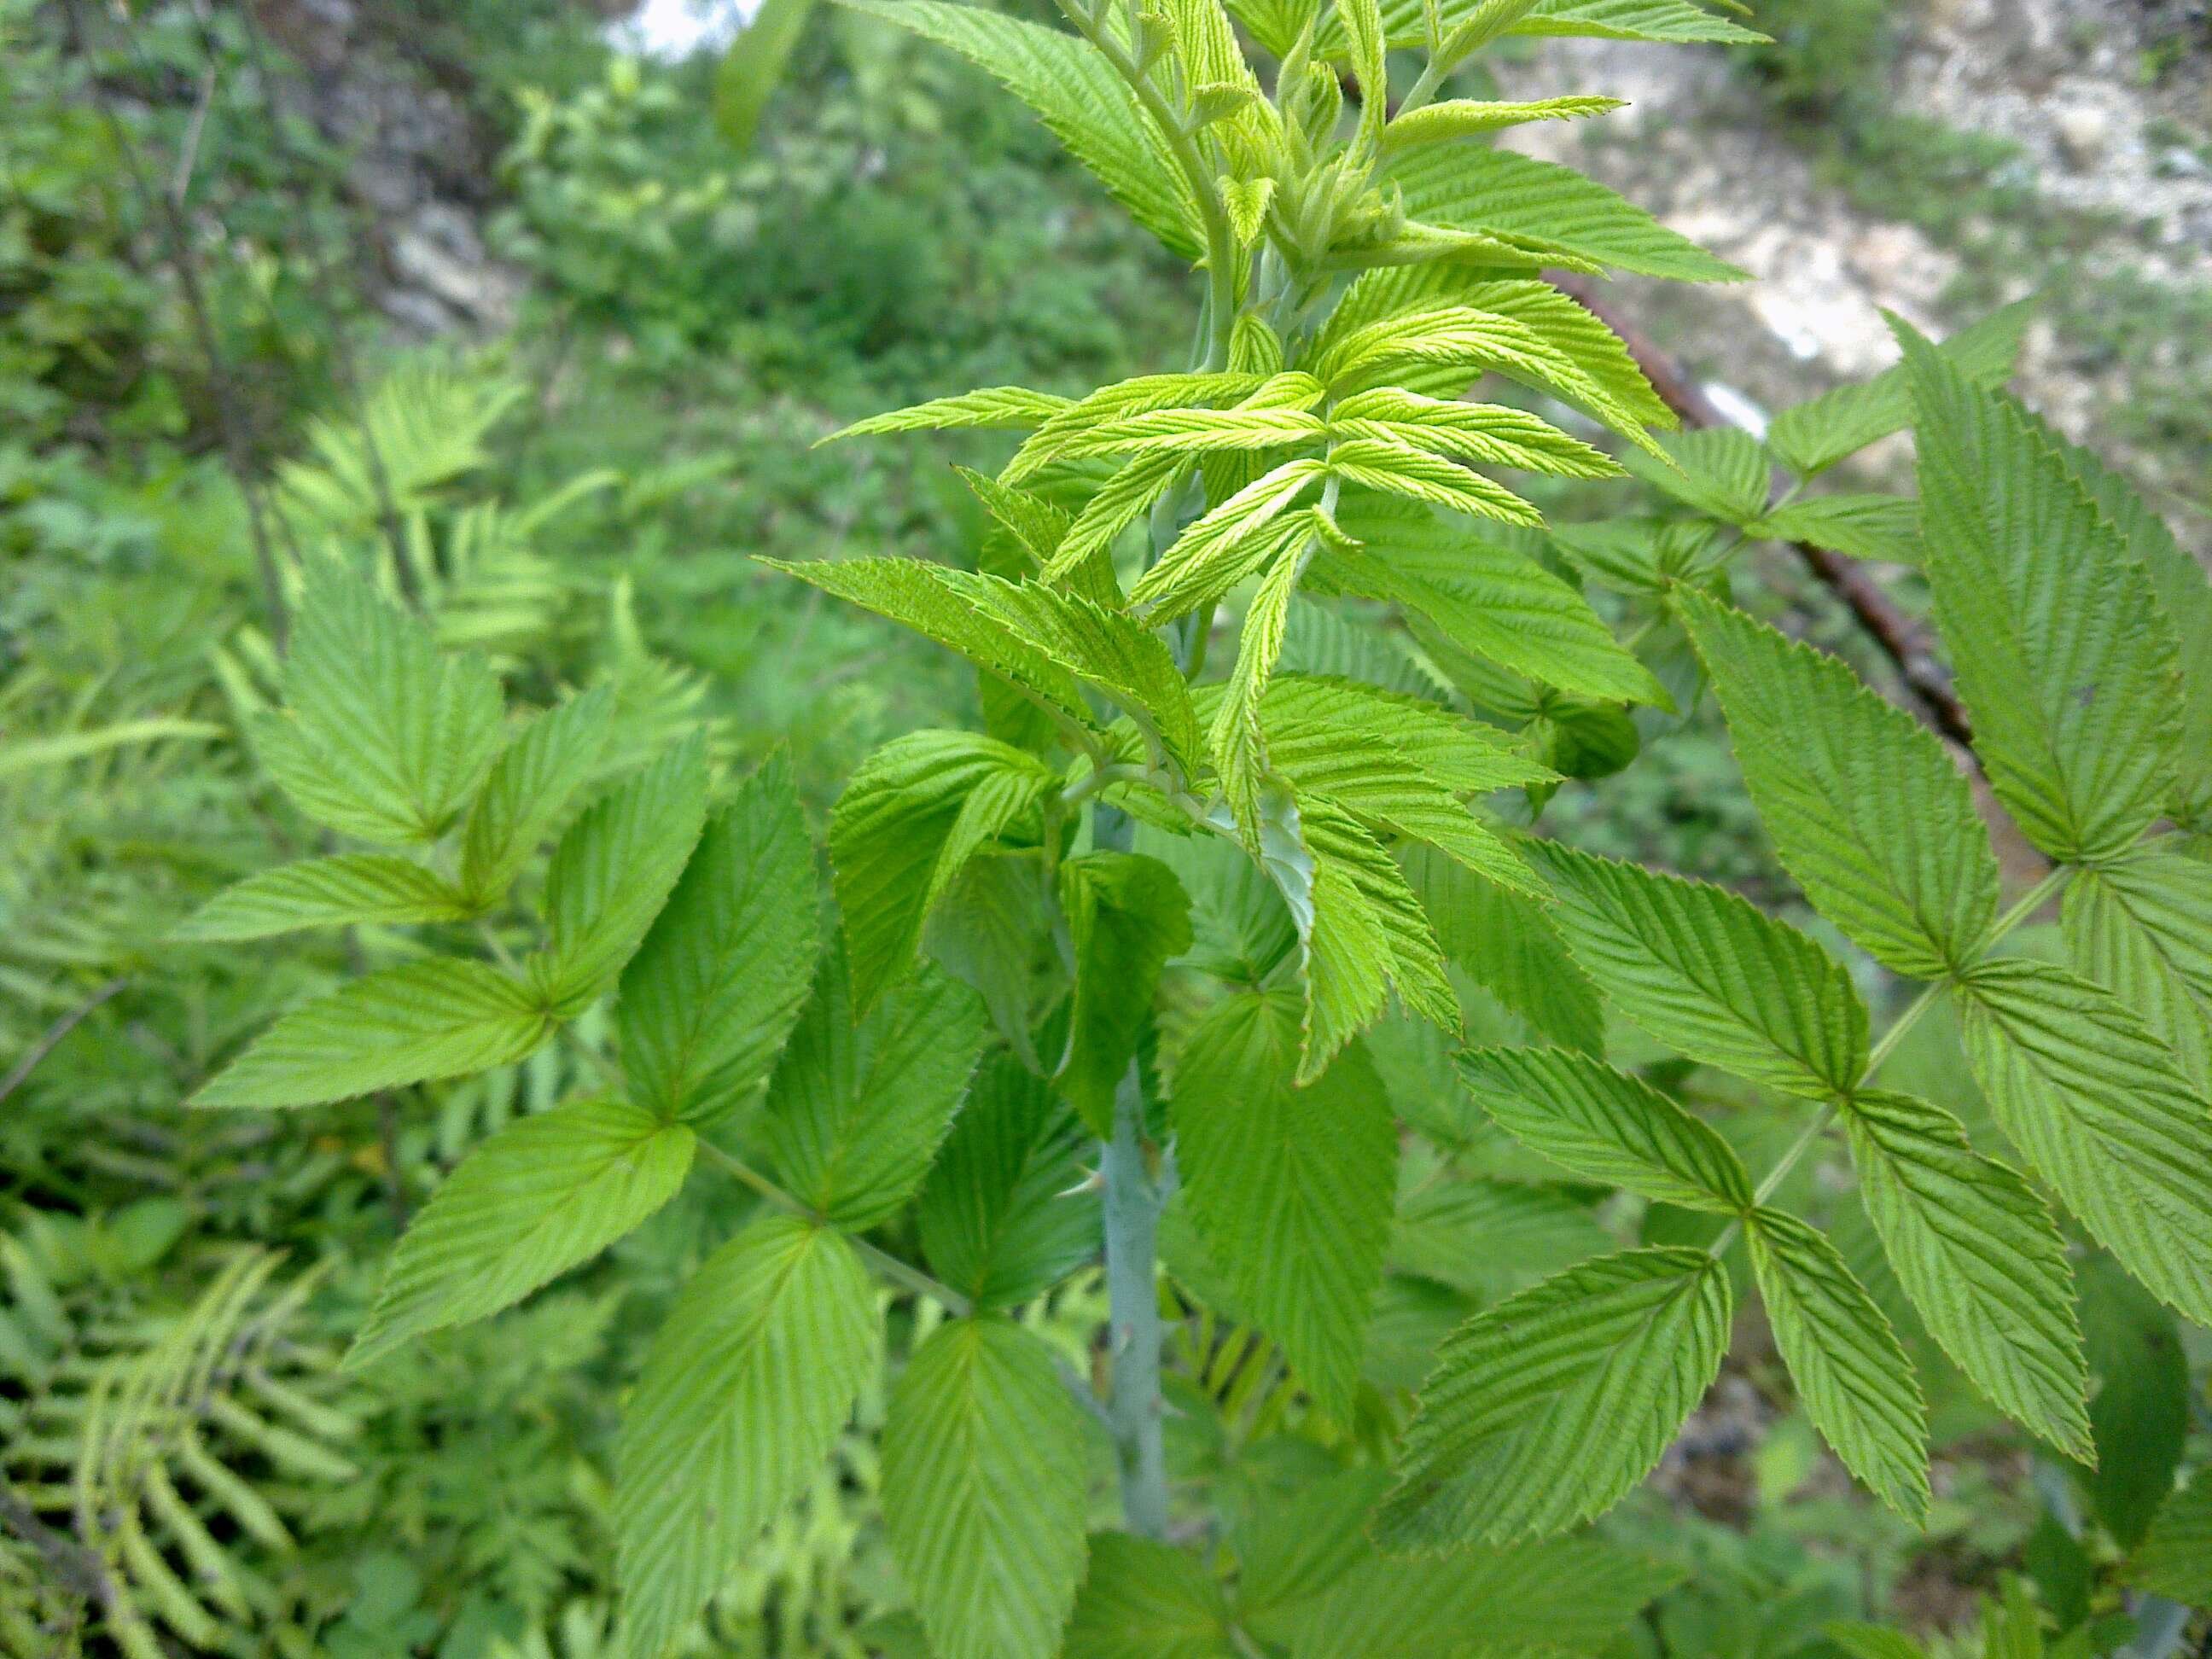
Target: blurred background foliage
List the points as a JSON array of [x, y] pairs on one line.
[[198, 355]]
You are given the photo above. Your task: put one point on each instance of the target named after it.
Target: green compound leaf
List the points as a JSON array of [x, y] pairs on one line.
[[1815, 436], [1978, 1253], [2142, 927], [2175, 1557], [1866, 526], [1146, 1601], [1607, 1126], [1866, 808], [1007, 1212], [985, 1475], [856, 1108], [1854, 1378], [2065, 660], [613, 871], [1291, 1186], [1505, 942], [712, 993], [543, 1195], [1484, 599], [911, 817], [1721, 471], [2102, 1112], [2140, 1416], [355, 889], [1555, 1596], [1040, 641], [1707, 973], [385, 737], [1468, 187], [1506, 1442], [531, 790], [437, 1018], [743, 1394], [1126, 914], [2184, 593]]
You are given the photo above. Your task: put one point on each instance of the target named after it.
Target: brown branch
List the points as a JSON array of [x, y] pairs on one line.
[[1899, 638]]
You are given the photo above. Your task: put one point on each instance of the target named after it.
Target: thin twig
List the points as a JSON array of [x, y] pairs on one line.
[[228, 424], [1899, 638], [60, 1028]]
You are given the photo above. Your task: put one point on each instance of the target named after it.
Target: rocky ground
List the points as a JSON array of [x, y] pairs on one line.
[[2089, 128]]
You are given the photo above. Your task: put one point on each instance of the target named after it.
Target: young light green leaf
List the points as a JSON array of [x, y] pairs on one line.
[[2142, 927], [385, 737], [545, 1193], [985, 1475], [1195, 432], [856, 1109], [1467, 187], [1501, 1445], [1463, 118], [1005, 1213], [1505, 943], [1854, 1378], [711, 995], [1675, 20], [1225, 543], [1815, 436], [2102, 1112], [1290, 1186], [1236, 738], [436, 1017], [1126, 914], [1866, 809], [1707, 973], [996, 408], [913, 815], [1399, 469], [1077, 94], [743, 1393], [1496, 435], [1246, 201], [1607, 1126], [1981, 1259], [2066, 663], [530, 792], [1364, 933], [1140, 1599], [612, 871], [355, 889], [1885, 527], [1038, 639]]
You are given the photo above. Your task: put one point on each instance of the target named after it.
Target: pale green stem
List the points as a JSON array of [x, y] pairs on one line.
[[1137, 1408], [889, 1268], [1221, 258], [2033, 900]]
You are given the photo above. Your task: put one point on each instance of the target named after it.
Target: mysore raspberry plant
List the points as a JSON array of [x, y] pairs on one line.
[[1102, 979]]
